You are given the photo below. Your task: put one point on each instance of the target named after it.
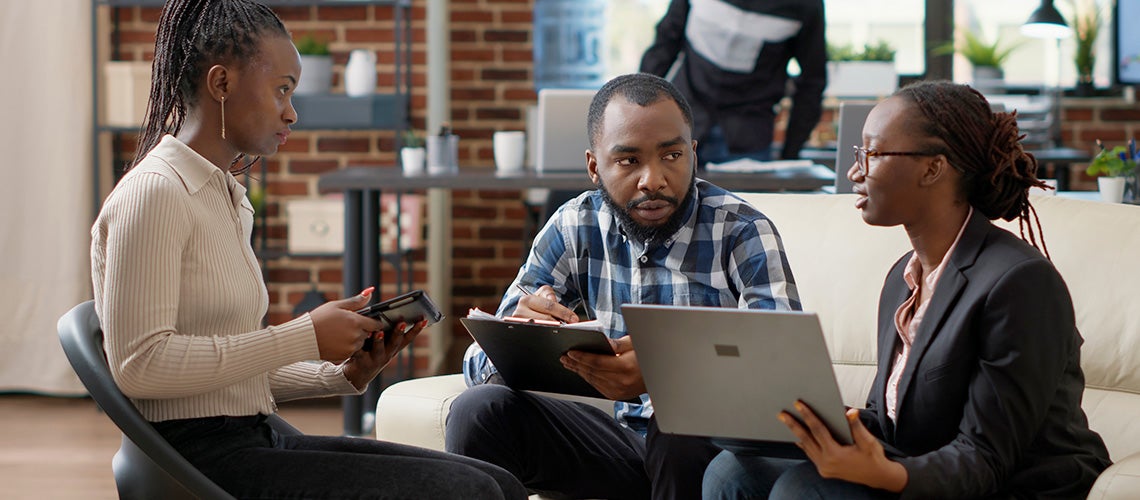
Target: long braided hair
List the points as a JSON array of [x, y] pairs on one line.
[[986, 148], [193, 35]]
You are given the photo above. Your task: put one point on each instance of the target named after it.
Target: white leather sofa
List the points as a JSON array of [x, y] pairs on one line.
[[839, 264]]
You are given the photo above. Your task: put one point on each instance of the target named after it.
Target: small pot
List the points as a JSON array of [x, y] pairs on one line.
[[316, 75], [412, 160], [1111, 188]]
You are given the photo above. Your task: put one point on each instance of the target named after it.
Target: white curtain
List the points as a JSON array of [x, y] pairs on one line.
[[45, 195]]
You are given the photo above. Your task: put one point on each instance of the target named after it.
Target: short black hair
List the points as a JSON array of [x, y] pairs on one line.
[[641, 89]]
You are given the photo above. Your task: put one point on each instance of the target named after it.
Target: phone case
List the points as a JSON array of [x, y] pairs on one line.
[[410, 307]]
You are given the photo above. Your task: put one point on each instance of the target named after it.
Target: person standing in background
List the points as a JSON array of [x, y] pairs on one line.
[[733, 71]]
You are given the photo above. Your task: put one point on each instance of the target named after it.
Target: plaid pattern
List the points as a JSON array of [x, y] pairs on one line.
[[726, 254]]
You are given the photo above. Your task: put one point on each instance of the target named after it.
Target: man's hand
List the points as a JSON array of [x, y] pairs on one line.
[[363, 366], [617, 377], [543, 304], [863, 462]]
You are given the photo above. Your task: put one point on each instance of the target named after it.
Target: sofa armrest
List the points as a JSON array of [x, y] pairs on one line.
[[414, 411], [1119, 482]]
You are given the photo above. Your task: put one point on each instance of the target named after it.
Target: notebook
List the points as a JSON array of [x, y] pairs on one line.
[[726, 373]]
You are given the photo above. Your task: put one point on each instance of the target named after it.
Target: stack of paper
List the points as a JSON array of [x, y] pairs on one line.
[[476, 313], [748, 165]]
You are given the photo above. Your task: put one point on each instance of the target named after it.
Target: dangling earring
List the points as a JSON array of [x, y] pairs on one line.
[[223, 117]]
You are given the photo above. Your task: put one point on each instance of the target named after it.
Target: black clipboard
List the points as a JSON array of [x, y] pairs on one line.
[[526, 354]]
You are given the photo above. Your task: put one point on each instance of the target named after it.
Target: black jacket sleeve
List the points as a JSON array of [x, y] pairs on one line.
[[660, 56], [810, 52]]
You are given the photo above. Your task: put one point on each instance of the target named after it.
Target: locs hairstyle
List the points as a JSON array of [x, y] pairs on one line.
[[985, 147]]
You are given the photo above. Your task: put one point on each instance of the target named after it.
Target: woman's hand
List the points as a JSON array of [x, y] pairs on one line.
[[340, 331], [363, 366], [863, 462]]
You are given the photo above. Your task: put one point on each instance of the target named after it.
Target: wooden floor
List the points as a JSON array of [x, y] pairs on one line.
[[61, 448]]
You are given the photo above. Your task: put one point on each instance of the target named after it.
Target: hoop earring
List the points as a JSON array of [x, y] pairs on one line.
[[223, 117]]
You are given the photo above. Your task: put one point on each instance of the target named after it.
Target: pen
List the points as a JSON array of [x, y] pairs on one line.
[[527, 292]]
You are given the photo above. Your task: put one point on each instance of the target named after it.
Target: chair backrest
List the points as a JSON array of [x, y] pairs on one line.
[[159, 471], [1037, 117]]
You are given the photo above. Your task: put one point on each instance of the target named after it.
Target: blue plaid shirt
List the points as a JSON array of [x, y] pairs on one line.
[[726, 254]]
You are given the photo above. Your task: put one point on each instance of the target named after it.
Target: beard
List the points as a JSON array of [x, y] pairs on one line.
[[649, 234]]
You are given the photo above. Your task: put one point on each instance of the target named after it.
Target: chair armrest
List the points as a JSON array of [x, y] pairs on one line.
[[1121, 481], [414, 411]]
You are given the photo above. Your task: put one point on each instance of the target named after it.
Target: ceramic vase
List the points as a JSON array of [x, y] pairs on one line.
[[316, 75], [360, 73]]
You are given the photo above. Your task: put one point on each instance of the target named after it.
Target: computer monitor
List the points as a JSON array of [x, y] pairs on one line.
[[852, 115], [561, 143], [1126, 42]]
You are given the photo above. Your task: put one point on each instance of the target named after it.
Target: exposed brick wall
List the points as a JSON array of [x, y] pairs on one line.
[[491, 87]]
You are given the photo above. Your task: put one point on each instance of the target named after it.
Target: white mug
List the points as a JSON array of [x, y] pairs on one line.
[[510, 151]]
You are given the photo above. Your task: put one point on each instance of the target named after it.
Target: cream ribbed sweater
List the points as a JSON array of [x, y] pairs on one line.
[[180, 297]]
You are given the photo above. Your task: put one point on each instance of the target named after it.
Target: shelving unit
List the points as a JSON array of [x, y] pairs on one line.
[[381, 111]]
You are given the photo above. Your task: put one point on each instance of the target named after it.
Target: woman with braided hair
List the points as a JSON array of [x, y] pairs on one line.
[[180, 294], [979, 383]]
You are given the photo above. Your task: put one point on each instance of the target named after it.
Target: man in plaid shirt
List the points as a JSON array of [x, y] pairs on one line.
[[652, 233]]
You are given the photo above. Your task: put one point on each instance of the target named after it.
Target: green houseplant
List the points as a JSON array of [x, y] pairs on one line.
[[412, 153], [869, 72], [985, 57], [1116, 168], [316, 65], [1086, 29]]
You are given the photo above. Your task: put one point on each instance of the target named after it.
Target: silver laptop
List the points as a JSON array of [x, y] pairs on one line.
[[727, 373], [561, 143]]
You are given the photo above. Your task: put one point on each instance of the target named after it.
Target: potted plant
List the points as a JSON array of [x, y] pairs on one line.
[[866, 73], [1087, 24], [1115, 167], [986, 58], [316, 66], [412, 153]]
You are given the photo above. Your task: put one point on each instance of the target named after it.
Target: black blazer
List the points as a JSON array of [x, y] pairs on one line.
[[990, 398]]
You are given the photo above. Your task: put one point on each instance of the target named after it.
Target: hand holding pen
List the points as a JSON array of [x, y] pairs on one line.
[[543, 304]]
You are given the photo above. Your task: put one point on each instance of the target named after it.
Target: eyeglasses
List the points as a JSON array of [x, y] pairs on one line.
[[862, 154]]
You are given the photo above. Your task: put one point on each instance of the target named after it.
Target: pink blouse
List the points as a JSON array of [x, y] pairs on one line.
[[909, 315]]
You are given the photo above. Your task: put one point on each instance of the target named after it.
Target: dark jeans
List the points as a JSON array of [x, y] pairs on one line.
[[713, 148], [573, 450], [733, 476], [249, 459]]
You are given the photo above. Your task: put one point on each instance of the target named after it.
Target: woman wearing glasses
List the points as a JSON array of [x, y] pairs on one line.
[[979, 381]]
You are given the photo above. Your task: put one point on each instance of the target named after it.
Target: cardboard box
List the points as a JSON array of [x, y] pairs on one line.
[[127, 88]]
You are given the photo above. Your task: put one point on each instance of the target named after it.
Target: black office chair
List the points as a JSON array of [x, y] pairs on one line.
[[146, 466]]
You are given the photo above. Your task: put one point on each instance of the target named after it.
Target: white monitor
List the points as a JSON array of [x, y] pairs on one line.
[[561, 132]]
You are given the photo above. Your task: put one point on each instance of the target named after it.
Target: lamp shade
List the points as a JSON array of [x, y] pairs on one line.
[[1046, 22]]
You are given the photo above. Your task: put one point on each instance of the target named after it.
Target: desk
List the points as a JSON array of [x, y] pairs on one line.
[[362, 186], [1061, 157]]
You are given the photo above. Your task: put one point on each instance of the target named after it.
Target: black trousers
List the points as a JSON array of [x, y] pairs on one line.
[[566, 449], [249, 459]]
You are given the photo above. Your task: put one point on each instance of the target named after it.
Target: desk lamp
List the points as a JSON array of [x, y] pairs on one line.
[[1047, 23]]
